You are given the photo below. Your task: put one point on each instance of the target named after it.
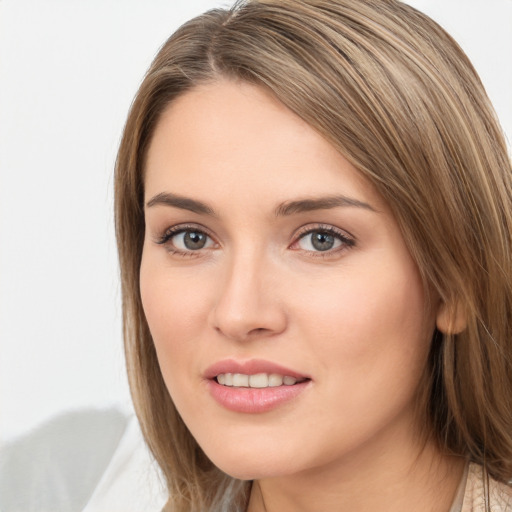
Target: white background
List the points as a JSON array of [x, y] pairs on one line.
[[68, 72]]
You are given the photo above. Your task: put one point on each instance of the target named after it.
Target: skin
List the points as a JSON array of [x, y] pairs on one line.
[[354, 318]]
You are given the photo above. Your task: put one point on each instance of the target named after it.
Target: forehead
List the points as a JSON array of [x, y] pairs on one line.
[[235, 136]]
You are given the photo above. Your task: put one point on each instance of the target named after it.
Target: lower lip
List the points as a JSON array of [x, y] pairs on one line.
[[254, 400]]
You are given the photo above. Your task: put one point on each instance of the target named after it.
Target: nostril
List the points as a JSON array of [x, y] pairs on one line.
[[259, 330]]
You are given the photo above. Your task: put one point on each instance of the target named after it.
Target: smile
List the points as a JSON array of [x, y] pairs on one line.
[[254, 386], [258, 380]]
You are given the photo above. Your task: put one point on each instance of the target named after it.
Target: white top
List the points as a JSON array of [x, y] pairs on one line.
[[132, 480]]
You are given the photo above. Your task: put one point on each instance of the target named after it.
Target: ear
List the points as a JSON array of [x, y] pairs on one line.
[[451, 319]]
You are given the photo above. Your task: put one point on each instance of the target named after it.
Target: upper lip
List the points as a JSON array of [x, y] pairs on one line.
[[250, 367]]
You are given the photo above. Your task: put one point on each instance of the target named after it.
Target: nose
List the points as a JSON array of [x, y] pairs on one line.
[[247, 304]]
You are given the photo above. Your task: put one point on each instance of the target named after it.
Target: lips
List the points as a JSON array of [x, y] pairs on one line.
[[254, 386]]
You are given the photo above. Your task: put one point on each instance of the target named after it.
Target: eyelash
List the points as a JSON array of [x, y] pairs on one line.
[[346, 240]]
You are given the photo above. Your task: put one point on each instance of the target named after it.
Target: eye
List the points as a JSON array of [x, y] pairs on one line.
[[191, 240], [323, 240], [185, 240]]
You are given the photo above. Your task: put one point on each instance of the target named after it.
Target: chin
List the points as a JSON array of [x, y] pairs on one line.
[[253, 462]]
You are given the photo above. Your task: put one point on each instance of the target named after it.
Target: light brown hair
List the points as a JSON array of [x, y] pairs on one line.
[[399, 99]]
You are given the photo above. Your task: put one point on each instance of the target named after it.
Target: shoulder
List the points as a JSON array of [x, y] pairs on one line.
[[482, 490]]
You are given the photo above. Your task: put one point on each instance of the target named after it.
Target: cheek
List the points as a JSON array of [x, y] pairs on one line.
[[370, 339], [172, 298], [174, 309], [371, 323]]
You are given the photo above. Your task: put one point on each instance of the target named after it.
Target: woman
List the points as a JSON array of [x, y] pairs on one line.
[[313, 204]]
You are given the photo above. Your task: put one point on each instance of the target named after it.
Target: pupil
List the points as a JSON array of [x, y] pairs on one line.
[[322, 241], [194, 240]]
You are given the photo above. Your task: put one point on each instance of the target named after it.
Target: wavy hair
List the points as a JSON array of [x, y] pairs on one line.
[[393, 92]]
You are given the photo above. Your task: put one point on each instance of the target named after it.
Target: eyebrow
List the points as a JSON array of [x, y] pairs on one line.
[[184, 203], [321, 203], [284, 209]]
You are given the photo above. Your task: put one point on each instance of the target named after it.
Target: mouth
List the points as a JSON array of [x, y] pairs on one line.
[[254, 386], [258, 380]]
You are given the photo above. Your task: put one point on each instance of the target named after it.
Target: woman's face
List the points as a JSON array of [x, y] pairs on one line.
[[288, 316]]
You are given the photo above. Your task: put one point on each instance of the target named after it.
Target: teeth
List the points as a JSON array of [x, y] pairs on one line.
[[289, 381], [240, 380], [275, 380], [259, 380]]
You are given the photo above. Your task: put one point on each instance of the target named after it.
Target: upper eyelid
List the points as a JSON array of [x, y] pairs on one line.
[[187, 227], [171, 231], [310, 228]]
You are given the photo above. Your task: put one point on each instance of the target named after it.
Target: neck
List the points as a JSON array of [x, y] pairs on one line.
[[423, 480]]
